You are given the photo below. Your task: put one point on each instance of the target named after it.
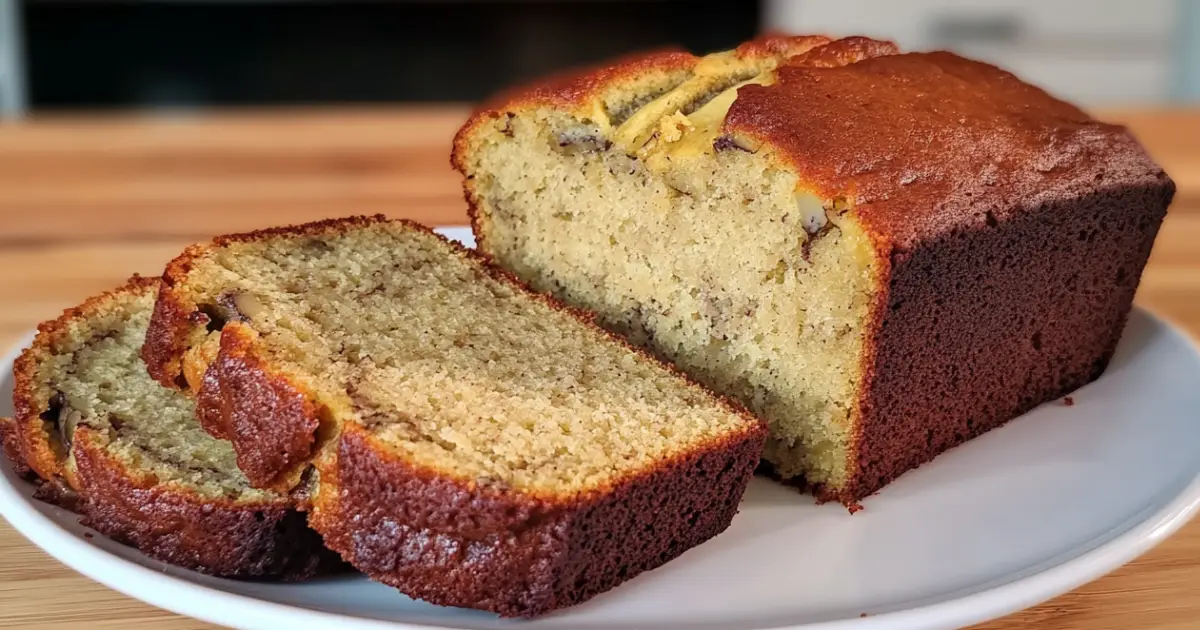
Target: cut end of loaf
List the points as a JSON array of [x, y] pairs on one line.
[[695, 245]]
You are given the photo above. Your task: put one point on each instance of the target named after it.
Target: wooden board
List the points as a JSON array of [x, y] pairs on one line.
[[86, 202]]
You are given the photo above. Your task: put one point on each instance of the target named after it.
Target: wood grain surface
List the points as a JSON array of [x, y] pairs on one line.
[[85, 202]]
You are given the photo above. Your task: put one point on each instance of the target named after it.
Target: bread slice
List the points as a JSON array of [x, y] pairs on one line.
[[93, 425], [475, 444], [881, 254]]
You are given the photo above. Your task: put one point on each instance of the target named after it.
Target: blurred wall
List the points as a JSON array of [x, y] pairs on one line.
[[1095, 52]]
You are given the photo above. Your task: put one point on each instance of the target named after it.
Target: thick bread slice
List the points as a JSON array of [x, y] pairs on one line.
[[475, 444], [881, 254], [93, 426]]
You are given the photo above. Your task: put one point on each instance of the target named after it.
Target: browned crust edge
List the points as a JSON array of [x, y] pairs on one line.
[[462, 544], [218, 537], [575, 87], [271, 420], [54, 492], [11, 441], [35, 445], [1051, 333]]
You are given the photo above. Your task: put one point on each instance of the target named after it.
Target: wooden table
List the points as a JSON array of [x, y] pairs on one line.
[[86, 202]]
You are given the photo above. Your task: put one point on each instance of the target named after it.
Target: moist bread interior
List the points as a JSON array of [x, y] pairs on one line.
[[95, 378], [450, 367], [713, 258]]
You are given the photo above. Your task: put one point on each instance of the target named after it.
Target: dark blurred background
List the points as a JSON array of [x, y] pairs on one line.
[[122, 54], [100, 54]]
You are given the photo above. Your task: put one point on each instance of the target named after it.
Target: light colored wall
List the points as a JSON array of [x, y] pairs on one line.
[[12, 81], [1095, 52], [1187, 51]]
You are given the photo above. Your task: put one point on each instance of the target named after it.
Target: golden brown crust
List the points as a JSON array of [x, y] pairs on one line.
[[843, 52], [781, 45], [922, 143], [260, 540], [11, 441], [215, 536], [461, 544], [569, 90], [174, 320]]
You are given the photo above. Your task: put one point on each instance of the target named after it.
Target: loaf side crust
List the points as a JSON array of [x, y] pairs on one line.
[[10, 441], [458, 543], [266, 539], [217, 537], [270, 418], [1042, 299]]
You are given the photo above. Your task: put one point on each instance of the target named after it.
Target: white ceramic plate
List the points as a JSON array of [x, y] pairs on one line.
[[1054, 499]]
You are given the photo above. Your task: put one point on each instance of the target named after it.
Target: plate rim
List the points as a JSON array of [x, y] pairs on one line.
[[199, 601]]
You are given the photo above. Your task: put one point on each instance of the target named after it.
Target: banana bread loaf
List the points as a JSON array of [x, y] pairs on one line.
[[474, 444], [93, 426], [883, 255]]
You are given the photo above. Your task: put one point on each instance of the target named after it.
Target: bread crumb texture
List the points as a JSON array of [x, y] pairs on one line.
[[90, 375], [453, 368], [690, 244]]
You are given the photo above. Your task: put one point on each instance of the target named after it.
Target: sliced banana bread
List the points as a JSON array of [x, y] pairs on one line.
[[883, 255], [475, 444], [90, 422]]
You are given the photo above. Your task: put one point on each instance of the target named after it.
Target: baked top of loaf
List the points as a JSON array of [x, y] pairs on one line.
[[90, 421], [938, 143], [452, 364]]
